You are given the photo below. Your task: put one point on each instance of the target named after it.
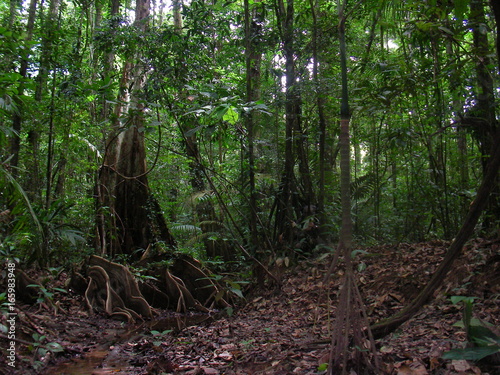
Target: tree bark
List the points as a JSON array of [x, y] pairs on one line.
[[482, 117], [320, 102], [351, 328], [17, 117], [253, 59], [288, 198], [488, 184], [126, 214]]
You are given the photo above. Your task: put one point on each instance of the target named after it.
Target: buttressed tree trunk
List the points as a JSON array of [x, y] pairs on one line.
[[125, 225]]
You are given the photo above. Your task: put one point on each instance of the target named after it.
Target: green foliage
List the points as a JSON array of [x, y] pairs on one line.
[[46, 295], [323, 367], [482, 340], [40, 347], [26, 229], [157, 336], [413, 75]]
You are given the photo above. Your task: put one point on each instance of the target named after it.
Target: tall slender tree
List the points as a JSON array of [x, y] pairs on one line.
[[351, 321]]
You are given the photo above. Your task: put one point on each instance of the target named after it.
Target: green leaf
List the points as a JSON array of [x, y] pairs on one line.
[[192, 131], [483, 336], [471, 354], [231, 116], [457, 299], [460, 9], [356, 252], [238, 292], [323, 367], [54, 347]]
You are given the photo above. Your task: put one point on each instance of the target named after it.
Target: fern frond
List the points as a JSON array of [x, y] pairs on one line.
[[187, 228], [200, 196], [362, 186]]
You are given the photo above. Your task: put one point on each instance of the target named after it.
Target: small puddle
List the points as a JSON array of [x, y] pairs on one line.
[[107, 359], [92, 363]]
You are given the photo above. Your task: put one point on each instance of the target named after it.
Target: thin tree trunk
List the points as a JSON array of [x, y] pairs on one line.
[[351, 321], [287, 199], [345, 153], [320, 102], [284, 204], [17, 117], [50, 145], [253, 61], [176, 10]]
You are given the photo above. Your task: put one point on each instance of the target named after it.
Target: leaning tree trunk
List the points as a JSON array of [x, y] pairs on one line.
[[387, 326], [488, 184], [483, 118]]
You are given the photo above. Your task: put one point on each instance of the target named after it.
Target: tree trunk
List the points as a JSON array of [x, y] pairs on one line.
[[126, 223], [488, 184], [284, 213], [17, 117], [320, 102], [351, 328], [483, 118], [253, 59], [288, 198]]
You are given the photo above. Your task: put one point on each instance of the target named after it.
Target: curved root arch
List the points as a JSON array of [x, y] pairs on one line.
[[113, 289]]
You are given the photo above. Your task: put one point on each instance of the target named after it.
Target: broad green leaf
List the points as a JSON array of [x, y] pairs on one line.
[[354, 253], [457, 299], [231, 116], [238, 292], [471, 354], [323, 367], [54, 347]]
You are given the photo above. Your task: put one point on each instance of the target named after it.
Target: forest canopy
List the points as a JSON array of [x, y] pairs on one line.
[[216, 125]]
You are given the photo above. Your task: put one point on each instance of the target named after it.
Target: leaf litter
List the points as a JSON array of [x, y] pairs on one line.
[[285, 331]]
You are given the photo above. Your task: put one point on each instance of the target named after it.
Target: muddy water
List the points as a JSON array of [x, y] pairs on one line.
[[107, 358]]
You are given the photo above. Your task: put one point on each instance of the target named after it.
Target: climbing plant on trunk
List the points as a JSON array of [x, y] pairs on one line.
[[126, 212]]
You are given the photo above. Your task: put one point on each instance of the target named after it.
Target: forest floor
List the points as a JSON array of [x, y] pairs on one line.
[[277, 331]]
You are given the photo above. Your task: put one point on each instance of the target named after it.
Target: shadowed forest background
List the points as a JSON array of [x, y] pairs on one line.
[[181, 155]]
